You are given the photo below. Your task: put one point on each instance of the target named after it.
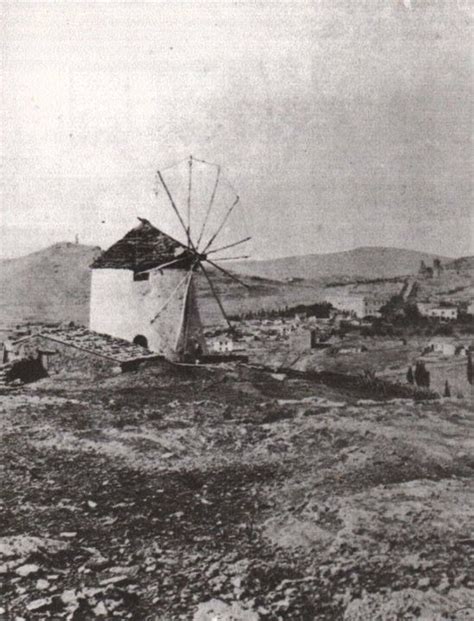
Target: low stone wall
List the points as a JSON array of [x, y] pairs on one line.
[[61, 359]]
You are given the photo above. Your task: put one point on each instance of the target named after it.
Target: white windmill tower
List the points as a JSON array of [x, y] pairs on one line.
[[143, 286]]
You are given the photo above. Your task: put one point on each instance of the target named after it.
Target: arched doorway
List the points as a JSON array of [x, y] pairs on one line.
[[141, 340]]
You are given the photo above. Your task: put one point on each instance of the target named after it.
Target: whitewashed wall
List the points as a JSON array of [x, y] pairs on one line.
[[124, 308]]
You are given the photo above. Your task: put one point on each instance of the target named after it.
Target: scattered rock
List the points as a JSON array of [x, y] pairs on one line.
[[116, 580], [23, 546], [27, 570], [39, 605], [100, 610], [68, 597], [218, 610], [42, 584]]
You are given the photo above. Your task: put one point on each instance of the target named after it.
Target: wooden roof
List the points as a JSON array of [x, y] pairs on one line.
[[143, 248]]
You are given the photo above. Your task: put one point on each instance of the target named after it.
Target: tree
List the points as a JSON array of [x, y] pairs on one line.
[[412, 313], [470, 372], [447, 390], [410, 376], [427, 379], [422, 375], [419, 374]]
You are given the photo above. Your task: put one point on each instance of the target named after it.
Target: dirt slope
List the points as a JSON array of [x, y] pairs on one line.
[[50, 285], [188, 494]]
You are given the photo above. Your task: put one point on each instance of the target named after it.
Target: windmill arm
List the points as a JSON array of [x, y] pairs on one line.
[[242, 256], [229, 274], [160, 267], [226, 217], [209, 207], [214, 293], [173, 293], [246, 239], [175, 209], [190, 189]]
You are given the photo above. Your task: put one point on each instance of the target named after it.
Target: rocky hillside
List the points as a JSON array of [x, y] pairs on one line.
[[207, 494]]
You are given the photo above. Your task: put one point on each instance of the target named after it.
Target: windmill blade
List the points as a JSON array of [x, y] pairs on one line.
[[160, 267], [209, 207], [214, 293], [229, 274], [230, 210], [190, 188], [183, 323], [237, 243], [243, 256], [173, 293], [175, 209]]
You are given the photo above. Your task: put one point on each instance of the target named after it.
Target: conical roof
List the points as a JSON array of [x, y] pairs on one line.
[[143, 248]]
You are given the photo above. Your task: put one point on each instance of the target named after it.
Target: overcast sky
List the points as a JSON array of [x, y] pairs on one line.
[[341, 123]]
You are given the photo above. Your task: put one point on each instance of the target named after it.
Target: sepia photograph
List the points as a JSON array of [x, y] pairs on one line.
[[237, 310]]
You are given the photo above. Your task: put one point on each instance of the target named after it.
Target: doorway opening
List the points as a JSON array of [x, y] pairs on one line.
[[141, 340]]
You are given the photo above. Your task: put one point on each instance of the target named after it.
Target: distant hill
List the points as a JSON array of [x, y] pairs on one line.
[[463, 263], [366, 262], [54, 284], [49, 285]]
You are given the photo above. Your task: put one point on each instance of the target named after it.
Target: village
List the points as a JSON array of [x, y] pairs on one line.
[[387, 333]]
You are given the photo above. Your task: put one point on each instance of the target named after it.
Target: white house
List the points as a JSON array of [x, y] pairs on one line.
[[221, 344], [443, 347], [358, 304], [445, 313]]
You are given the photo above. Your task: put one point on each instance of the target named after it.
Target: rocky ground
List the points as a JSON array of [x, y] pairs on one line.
[[218, 494]]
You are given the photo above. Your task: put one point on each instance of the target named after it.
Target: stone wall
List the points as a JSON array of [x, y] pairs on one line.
[[61, 359]]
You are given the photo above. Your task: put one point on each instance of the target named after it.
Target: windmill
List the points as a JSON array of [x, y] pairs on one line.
[[143, 287]]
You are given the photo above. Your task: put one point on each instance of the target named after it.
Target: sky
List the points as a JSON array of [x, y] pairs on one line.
[[341, 123]]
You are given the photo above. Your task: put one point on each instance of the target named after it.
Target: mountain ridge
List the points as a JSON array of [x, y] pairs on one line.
[[363, 262], [53, 284]]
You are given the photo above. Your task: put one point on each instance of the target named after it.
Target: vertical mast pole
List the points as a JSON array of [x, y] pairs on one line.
[[190, 187]]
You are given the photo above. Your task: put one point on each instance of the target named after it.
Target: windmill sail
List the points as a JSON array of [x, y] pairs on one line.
[[190, 340], [199, 207]]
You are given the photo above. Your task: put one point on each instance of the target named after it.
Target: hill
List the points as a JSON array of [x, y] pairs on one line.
[[49, 285], [461, 264], [53, 284], [365, 262]]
